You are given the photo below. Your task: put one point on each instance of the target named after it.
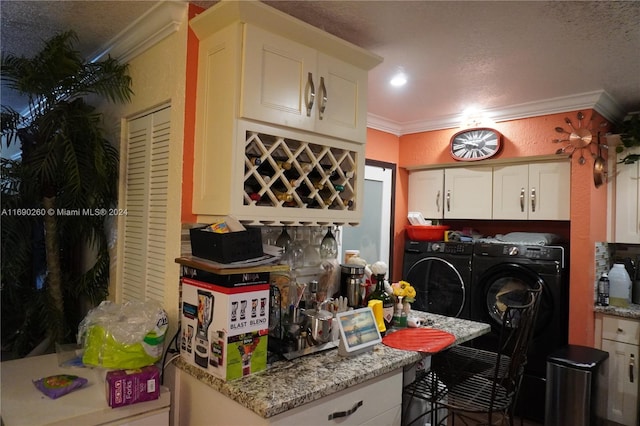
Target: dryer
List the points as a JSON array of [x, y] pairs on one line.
[[440, 272], [499, 267]]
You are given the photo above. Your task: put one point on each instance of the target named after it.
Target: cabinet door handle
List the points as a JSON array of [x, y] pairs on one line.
[[448, 200], [323, 98], [632, 365], [438, 201], [311, 93], [347, 413], [522, 200], [533, 199]]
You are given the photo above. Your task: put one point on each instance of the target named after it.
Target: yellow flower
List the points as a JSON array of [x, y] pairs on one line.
[[405, 290]]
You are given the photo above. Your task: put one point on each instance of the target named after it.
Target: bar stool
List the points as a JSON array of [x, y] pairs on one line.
[[473, 394]]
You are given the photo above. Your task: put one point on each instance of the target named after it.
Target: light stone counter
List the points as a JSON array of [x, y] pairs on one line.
[[633, 311], [288, 384]]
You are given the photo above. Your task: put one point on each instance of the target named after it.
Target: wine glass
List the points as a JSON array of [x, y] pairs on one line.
[[328, 246]]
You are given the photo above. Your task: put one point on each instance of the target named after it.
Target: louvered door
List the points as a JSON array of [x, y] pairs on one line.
[[144, 228]]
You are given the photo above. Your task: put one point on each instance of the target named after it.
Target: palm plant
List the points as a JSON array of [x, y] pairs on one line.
[[54, 198]]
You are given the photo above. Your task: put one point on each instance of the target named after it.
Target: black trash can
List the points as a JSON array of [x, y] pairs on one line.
[[576, 392]]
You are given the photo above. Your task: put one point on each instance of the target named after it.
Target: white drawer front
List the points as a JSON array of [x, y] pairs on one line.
[[376, 397], [621, 330]]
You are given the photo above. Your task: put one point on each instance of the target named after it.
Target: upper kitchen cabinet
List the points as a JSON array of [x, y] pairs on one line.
[[535, 191], [453, 193], [291, 84], [426, 193], [467, 193], [280, 119], [627, 227]]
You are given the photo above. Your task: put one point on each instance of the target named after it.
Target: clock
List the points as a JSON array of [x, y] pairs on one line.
[[475, 144]]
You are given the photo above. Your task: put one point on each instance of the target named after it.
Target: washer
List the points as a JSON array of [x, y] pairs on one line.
[[501, 267], [441, 274]]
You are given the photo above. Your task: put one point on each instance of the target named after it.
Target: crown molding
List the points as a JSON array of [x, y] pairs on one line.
[[598, 100], [160, 21]]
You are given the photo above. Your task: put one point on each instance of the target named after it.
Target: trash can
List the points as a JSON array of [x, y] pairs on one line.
[[576, 392]]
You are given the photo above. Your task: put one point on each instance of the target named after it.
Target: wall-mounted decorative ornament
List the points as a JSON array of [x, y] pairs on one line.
[[580, 138]]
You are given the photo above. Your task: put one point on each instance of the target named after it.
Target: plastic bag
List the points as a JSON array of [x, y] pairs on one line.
[[59, 385], [123, 336]]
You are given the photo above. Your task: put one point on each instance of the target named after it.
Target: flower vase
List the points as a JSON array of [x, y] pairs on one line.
[[399, 317]]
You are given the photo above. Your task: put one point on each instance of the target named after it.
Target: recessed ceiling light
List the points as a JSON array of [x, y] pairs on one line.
[[399, 79]]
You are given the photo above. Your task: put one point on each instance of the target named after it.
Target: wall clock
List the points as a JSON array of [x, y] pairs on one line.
[[475, 144]]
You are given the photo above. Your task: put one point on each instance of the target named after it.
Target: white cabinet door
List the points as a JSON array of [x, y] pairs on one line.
[[288, 83], [537, 191], [426, 193], [277, 79], [622, 406], [628, 202], [510, 192], [468, 193], [549, 191], [341, 100]]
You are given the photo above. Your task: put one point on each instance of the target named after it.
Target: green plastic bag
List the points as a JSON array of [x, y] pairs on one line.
[[126, 336]]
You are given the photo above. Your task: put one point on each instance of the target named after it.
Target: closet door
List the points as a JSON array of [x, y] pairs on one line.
[[144, 189]]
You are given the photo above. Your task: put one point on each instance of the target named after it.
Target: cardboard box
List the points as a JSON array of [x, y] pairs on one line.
[[125, 387], [227, 247], [226, 279], [224, 330]]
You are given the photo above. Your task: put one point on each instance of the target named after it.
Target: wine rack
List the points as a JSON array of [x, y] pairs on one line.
[[290, 173]]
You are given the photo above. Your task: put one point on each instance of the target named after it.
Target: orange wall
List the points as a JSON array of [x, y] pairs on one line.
[[189, 120], [521, 138]]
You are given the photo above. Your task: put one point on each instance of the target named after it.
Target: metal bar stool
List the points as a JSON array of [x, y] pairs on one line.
[[474, 394]]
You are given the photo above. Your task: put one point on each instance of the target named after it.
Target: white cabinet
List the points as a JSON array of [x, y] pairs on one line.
[[620, 337], [291, 84], [426, 189], [375, 402], [468, 193], [455, 193], [536, 191], [627, 225], [257, 155]]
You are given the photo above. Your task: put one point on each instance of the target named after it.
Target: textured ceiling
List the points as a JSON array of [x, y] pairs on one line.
[[457, 54]]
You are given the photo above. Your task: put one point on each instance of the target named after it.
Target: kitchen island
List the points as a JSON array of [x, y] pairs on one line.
[[312, 388]]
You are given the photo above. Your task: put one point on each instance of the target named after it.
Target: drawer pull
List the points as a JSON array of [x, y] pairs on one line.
[[347, 413], [620, 330], [632, 364]]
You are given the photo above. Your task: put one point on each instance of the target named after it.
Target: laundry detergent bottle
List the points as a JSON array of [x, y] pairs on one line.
[[619, 286]]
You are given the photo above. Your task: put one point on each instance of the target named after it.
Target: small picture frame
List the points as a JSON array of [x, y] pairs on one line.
[[358, 332]]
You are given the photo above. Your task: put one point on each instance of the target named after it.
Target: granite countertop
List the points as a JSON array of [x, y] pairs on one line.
[[633, 311], [289, 384]]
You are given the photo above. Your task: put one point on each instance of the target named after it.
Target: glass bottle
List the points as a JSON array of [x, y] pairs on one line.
[[328, 246], [387, 302]]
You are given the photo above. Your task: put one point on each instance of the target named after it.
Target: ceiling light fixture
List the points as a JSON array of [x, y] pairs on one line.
[[399, 79]]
